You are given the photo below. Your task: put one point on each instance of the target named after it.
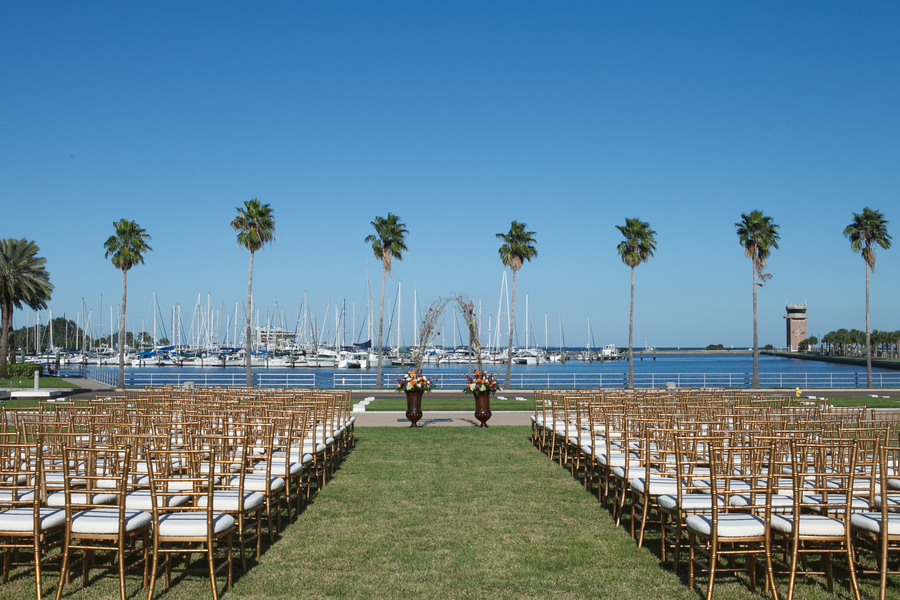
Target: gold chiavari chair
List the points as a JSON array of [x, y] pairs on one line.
[[876, 534], [692, 458], [823, 476], [258, 476], [182, 523], [633, 432], [658, 477], [230, 495], [89, 525], [24, 523], [724, 532]]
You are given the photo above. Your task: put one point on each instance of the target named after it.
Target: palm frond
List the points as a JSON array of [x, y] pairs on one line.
[[24, 280], [255, 224], [388, 242], [518, 246], [758, 235], [639, 243], [868, 230], [128, 245]]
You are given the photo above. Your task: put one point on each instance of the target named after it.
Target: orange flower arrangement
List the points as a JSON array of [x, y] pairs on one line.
[[480, 382], [413, 381]]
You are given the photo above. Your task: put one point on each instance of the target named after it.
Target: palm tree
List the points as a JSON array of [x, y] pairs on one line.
[[637, 247], [23, 281], [127, 248], [865, 232], [255, 225], [518, 246], [758, 235], [387, 244]]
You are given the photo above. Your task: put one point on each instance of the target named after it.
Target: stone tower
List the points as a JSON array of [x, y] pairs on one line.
[[795, 319]]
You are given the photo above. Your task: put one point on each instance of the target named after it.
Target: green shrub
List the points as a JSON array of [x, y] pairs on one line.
[[23, 370], [715, 347], [769, 347]]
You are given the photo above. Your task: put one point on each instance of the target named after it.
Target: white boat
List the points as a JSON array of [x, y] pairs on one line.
[[326, 357], [610, 352], [353, 360]]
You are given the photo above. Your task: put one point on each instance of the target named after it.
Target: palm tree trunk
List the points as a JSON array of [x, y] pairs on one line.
[[6, 307], [122, 331], [381, 323], [512, 324], [868, 340], [755, 383], [249, 321], [631, 336]]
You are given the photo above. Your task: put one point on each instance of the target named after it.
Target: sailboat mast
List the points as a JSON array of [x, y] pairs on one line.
[[526, 320], [480, 322], [454, 333], [154, 319]]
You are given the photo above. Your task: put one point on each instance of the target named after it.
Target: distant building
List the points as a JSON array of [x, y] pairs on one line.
[[795, 319]]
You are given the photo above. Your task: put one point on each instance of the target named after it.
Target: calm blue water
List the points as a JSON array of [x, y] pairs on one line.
[[686, 369]]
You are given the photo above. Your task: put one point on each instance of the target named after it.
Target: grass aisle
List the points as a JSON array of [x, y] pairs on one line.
[[455, 513]]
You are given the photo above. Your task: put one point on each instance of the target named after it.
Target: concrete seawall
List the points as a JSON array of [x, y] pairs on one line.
[[841, 360]]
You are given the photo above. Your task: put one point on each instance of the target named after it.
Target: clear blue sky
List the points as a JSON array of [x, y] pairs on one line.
[[460, 117]]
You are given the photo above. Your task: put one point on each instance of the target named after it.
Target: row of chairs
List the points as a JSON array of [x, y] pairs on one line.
[[736, 475], [162, 472]]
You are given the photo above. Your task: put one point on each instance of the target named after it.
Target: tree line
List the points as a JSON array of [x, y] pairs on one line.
[[66, 334], [852, 343]]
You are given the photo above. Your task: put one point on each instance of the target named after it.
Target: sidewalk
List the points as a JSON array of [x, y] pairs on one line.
[[442, 419]]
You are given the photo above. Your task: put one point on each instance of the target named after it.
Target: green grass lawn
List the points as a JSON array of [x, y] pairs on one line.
[[432, 403], [869, 402], [44, 382], [449, 513]]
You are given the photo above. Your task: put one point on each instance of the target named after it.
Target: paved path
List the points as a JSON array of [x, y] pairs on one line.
[[442, 419]]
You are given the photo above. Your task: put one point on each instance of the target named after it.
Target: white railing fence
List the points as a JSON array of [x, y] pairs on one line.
[[104, 376], [642, 380], [517, 380]]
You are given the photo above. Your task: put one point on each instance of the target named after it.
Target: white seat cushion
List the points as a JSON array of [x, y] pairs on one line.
[[229, 501], [779, 501], [730, 525], [22, 495], [734, 485], [872, 522], [106, 521], [192, 524], [58, 499], [143, 500], [278, 467], [893, 501], [809, 525], [60, 478], [617, 459], [658, 485], [257, 483], [835, 502], [689, 501], [22, 519]]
